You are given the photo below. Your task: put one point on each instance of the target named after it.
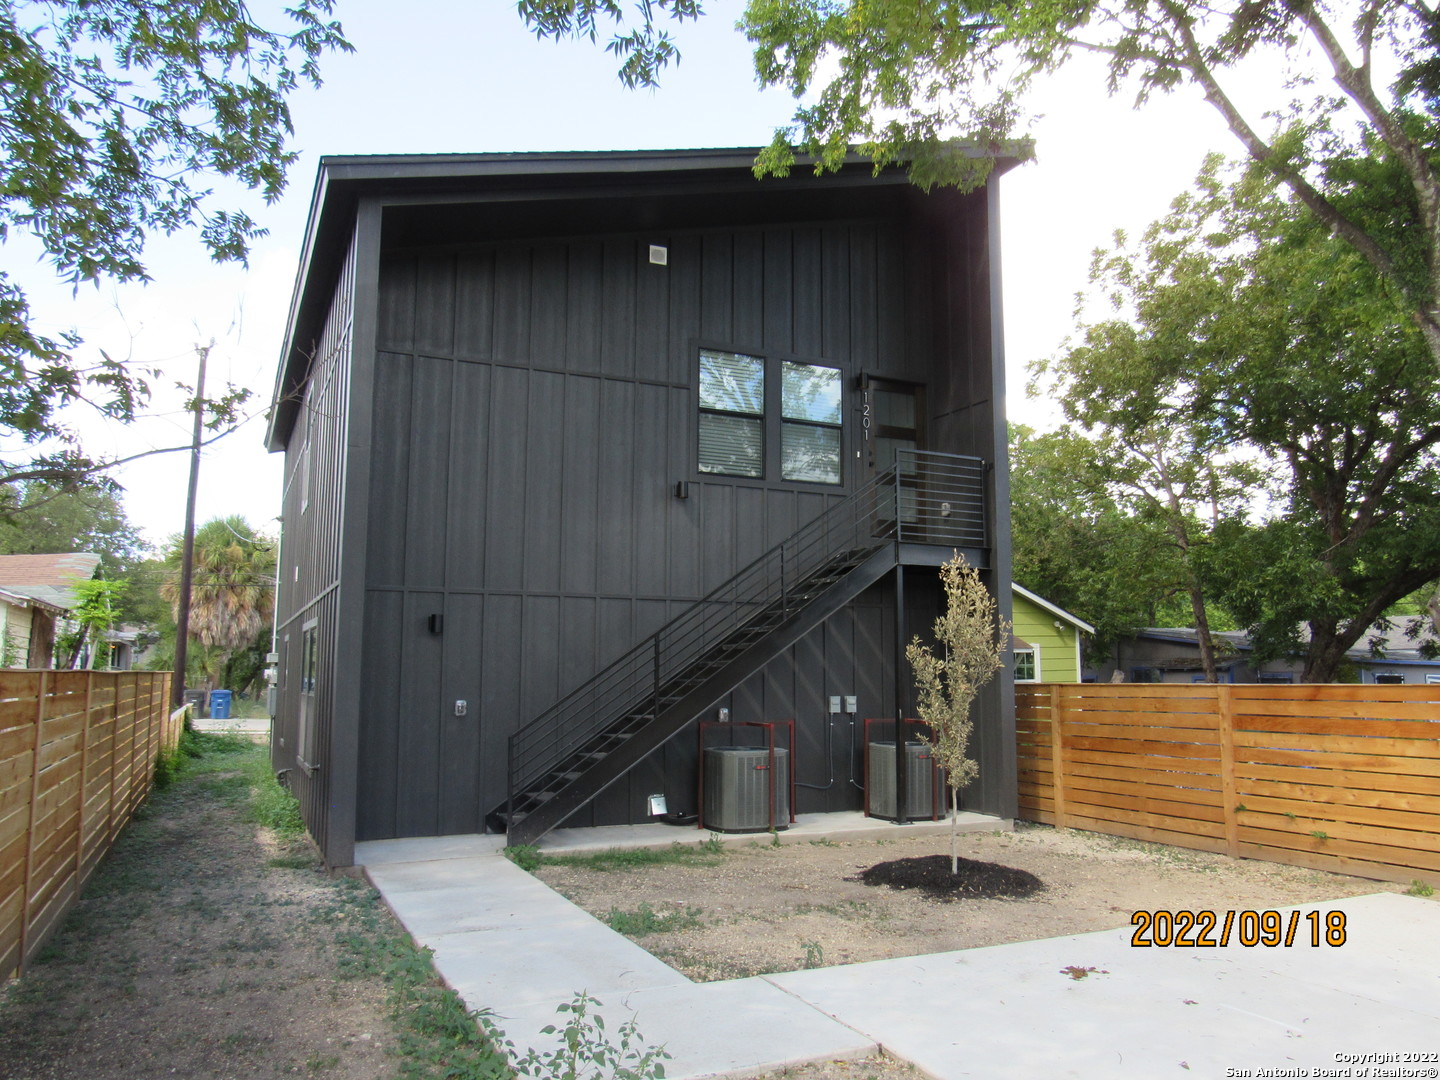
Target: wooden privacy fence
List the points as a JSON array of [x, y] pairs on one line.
[[77, 756], [1342, 778]]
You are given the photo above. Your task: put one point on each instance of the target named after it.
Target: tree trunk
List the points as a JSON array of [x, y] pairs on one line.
[[1202, 633], [1324, 656], [954, 832]]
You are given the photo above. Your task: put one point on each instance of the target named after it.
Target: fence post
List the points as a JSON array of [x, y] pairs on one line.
[[84, 779], [110, 827], [1057, 756], [40, 688], [1227, 767]]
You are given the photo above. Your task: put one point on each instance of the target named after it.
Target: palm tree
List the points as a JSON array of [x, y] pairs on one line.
[[233, 591]]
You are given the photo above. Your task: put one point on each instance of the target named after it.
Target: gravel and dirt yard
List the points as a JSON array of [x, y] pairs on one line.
[[209, 945], [764, 908]]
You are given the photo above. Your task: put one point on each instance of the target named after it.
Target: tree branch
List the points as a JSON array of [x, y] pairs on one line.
[[1264, 154]]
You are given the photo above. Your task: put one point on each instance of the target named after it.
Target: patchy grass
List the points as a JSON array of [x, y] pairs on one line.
[[645, 920], [209, 944], [710, 853]]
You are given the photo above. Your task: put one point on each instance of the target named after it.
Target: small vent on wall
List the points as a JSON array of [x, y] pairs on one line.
[[659, 255]]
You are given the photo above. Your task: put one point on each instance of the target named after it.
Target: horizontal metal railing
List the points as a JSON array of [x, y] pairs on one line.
[[925, 497]]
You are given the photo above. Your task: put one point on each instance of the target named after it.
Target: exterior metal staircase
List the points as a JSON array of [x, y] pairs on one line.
[[591, 737]]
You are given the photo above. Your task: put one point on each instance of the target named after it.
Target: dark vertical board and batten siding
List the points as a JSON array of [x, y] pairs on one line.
[[310, 566], [533, 411]]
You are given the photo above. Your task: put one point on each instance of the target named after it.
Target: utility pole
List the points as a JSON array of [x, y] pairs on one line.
[[187, 556]]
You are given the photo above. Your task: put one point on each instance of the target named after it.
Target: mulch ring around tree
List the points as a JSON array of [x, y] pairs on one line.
[[931, 875]]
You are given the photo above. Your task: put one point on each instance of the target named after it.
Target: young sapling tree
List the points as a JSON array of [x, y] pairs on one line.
[[971, 639]]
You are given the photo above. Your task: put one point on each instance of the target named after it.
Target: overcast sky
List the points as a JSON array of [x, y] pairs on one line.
[[452, 76]]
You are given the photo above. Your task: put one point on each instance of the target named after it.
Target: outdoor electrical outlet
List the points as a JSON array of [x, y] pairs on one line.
[[834, 704], [460, 707], [723, 716], [850, 705]]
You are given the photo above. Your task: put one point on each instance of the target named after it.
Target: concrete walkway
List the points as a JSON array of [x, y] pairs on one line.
[[507, 942]]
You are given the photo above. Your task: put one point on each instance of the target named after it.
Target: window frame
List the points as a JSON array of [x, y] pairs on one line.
[[308, 705], [772, 420], [1034, 651]]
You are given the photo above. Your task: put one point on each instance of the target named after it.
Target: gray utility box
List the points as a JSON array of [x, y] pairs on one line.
[[739, 786], [922, 799]]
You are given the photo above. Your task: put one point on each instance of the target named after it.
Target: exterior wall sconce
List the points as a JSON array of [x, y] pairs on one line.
[[437, 623], [682, 489]]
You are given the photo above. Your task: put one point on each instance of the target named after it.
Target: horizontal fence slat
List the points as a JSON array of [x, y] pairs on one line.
[[1328, 692], [1147, 728], [1262, 715], [1340, 744], [1250, 773], [1335, 777], [1340, 847], [1160, 764], [1328, 762], [1342, 798]]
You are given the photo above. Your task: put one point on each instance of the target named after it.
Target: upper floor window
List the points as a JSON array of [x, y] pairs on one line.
[[732, 414], [748, 404]]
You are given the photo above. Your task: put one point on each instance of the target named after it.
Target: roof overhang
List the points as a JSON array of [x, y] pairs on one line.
[[1058, 612], [15, 597], [521, 179]]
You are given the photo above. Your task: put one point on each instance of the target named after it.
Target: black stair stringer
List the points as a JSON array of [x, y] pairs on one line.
[[580, 782]]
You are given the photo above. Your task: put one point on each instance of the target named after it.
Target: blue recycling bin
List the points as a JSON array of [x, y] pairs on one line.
[[220, 704]]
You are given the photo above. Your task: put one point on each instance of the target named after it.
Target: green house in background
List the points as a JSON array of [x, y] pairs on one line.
[[1047, 639]]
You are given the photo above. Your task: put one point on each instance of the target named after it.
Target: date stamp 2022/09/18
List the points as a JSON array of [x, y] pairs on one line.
[[1207, 929]]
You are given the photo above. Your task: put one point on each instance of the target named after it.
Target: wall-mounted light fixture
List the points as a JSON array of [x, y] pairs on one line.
[[682, 489], [437, 623]]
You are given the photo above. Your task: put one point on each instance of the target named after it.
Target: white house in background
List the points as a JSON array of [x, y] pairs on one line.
[[36, 591]]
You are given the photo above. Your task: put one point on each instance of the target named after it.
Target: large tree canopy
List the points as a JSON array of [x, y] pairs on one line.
[[115, 117], [1081, 544], [903, 78], [1241, 323]]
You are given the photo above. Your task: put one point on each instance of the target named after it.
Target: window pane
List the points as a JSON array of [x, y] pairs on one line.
[[1024, 665], [731, 445], [808, 392], [732, 382], [810, 454]]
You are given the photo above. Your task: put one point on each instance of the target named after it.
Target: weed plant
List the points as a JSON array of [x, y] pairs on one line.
[[645, 920]]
